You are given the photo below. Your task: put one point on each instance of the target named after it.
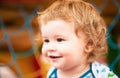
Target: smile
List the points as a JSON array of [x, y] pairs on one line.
[[53, 57]]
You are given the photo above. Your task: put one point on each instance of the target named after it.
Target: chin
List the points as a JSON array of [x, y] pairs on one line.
[[57, 66]]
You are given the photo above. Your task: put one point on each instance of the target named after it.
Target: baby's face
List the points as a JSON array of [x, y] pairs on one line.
[[61, 47]]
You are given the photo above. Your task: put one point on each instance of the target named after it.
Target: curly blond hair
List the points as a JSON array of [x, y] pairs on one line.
[[85, 17]]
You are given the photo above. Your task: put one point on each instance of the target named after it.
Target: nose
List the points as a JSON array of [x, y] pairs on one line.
[[51, 47]]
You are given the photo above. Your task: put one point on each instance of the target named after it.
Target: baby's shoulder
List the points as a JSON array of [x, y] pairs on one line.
[[100, 67], [102, 71]]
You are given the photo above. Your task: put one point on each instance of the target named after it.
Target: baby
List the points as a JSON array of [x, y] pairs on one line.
[[74, 39]]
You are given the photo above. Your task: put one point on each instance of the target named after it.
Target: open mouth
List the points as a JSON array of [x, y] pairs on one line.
[[53, 57]]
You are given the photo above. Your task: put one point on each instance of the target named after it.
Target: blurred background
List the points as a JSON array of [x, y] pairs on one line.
[[20, 42]]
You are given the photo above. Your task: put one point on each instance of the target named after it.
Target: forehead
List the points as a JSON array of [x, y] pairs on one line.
[[56, 26], [60, 28]]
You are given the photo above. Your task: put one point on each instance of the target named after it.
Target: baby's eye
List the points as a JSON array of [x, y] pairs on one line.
[[60, 39], [46, 41]]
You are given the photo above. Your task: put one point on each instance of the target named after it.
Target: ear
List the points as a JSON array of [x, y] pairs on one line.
[[89, 46]]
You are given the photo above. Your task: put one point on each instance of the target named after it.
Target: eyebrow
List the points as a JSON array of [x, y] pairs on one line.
[[54, 36]]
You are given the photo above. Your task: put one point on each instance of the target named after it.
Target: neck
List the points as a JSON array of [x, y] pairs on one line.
[[74, 72]]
